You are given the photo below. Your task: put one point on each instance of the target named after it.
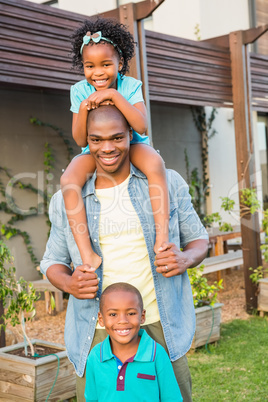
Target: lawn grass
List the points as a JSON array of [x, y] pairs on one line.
[[237, 367]]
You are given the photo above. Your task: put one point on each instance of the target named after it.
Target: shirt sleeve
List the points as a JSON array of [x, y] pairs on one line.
[[132, 90], [190, 226], [168, 387], [91, 386], [56, 250]]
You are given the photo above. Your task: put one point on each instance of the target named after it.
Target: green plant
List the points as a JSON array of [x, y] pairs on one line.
[[257, 273], [17, 297], [203, 293]]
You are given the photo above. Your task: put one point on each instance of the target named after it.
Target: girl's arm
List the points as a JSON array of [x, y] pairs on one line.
[[146, 159], [136, 115], [79, 125]]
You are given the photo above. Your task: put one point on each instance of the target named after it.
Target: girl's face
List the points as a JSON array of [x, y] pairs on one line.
[[101, 65]]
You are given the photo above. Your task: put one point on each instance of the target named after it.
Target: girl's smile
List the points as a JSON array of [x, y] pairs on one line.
[[101, 65]]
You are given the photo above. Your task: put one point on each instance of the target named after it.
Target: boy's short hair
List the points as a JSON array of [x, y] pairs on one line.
[[123, 286]]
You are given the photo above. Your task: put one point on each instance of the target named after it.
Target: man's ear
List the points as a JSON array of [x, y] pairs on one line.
[[100, 319], [130, 133], [143, 316]]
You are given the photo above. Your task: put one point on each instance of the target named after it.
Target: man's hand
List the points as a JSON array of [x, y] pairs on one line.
[[170, 261], [83, 283]]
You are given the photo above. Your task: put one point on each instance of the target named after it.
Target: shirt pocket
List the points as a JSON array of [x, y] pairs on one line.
[[146, 376]]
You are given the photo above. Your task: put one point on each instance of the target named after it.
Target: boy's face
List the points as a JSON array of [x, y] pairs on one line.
[[122, 316]]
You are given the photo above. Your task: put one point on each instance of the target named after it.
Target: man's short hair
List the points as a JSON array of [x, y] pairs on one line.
[[120, 286], [104, 113]]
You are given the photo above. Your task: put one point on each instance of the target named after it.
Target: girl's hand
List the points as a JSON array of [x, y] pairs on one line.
[[103, 97]]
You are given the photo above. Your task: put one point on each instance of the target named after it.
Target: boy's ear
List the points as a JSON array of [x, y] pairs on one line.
[[100, 319], [143, 316]]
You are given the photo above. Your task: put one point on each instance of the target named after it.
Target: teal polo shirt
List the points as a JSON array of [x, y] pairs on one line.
[[147, 376]]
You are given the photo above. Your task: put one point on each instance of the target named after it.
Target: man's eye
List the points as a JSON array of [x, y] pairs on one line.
[[118, 138], [95, 141]]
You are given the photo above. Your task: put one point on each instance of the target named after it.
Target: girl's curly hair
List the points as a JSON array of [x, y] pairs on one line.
[[110, 29]]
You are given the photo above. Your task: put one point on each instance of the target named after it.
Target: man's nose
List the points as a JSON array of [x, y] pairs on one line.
[[107, 146]]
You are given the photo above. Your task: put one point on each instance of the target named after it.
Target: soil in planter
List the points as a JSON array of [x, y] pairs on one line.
[[38, 349]]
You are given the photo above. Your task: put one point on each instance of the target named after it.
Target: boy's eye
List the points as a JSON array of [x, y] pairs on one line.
[[112, 314], [132, 313]]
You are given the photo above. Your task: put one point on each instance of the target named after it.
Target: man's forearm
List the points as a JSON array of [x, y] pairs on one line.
[[82, 283], [195, 252], [59, 275]]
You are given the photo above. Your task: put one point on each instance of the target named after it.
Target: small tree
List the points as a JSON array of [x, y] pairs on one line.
[[17, 297]]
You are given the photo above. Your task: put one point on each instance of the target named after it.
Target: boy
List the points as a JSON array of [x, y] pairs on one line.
[[128, 365]]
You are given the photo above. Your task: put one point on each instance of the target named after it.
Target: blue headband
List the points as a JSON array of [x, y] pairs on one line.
[[96, 38]]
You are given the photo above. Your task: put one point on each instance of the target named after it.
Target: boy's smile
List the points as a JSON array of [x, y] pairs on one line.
[[122, 316]]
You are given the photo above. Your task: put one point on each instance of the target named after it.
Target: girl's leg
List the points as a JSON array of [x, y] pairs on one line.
[[146, 159], [72, 181]]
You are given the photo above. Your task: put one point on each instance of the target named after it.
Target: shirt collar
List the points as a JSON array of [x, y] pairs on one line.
[[89, 187], [145, 352]]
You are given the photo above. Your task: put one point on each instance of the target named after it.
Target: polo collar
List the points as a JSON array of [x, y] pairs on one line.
[[145, 353], [89, 187]]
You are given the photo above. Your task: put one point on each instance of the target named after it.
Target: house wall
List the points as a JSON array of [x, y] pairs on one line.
[[22, 152], [173, 138]]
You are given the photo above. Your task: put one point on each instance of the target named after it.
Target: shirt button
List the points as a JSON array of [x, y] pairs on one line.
[[121, 377], [88, 338], [96, 200], [95, 240], [97, 298], [95, 217], [119, 367], [93, 318]]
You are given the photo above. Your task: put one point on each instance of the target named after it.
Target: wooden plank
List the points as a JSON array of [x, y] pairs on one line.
[[43, 285], [17, 390], [16, 377], [13, 398], [263, 295], [207, 321], [245, 161]]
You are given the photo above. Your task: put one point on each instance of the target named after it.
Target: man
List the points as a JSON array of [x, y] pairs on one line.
[[121, 226]]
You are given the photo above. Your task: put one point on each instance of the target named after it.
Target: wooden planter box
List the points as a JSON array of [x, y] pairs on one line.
[[263, 296], [207, 321], [23, 379]]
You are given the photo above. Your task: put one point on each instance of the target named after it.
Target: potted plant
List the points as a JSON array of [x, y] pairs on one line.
[[207, 311], [33, 369], [258, 277]]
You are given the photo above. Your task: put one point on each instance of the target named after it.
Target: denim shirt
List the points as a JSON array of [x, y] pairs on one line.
[[174, 295]]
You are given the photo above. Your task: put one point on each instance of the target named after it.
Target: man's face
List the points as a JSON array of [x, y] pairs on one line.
[[109, 141]]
